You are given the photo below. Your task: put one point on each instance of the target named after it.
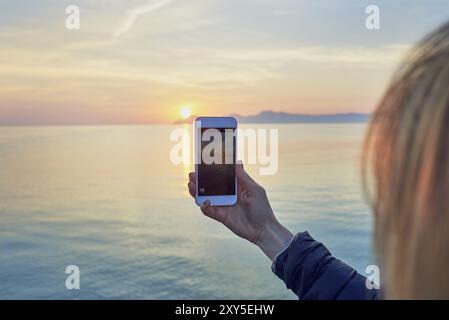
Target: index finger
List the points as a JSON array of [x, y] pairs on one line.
[[192, 177], [192, 188]]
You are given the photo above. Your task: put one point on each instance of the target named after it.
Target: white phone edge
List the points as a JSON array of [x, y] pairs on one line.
[[213, 122]]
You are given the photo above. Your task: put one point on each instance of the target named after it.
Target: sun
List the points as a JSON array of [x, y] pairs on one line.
[[185, 112]]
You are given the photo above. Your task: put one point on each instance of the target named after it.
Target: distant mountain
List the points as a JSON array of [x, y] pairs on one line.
[[284, 117]]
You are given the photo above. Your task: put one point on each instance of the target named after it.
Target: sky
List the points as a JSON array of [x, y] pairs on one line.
[[142, 61]]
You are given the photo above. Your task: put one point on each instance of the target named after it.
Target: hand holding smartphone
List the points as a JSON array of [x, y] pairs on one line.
[[215, 179], [215, 160]]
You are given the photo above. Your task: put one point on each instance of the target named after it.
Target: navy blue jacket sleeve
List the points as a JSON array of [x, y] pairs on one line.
[[311, 272]]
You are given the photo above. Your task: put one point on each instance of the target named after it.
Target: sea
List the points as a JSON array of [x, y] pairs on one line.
[[109, 200]]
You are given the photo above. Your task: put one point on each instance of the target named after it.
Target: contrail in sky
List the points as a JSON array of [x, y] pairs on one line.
[[133, 14]]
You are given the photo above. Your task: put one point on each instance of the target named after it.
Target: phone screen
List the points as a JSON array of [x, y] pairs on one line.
[[216, 170]]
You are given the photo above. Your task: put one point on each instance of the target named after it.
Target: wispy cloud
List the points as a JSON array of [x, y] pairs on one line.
[[332, 55], [284, 12], [133, 14]]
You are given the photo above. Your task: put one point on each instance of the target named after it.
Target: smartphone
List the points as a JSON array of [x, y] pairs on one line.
[[215, 160]]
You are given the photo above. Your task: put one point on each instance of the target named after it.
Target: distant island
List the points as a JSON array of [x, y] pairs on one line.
[[285, 117]]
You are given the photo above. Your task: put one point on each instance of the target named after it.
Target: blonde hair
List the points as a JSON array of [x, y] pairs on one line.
[[407, 153]]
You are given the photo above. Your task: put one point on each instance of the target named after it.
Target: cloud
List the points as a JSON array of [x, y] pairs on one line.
[[189, 67], [283, 12], [133, 14], [338, 55]]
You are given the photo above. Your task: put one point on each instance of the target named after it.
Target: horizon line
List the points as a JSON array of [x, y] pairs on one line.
[[177, 121]]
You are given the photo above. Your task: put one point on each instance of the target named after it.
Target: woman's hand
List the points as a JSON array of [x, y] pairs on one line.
[[251, 217]]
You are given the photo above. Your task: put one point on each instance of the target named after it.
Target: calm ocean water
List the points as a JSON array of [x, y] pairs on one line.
[[109, 200]]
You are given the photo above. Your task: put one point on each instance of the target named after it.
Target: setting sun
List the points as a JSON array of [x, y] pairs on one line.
[[185, 112]]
